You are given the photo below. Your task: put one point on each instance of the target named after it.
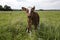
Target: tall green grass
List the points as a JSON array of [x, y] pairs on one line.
[[13, 26]]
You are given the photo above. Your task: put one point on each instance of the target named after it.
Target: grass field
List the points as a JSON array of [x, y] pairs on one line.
[[14, 23]]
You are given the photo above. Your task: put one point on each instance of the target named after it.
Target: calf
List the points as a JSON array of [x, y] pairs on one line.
[[33, 17]]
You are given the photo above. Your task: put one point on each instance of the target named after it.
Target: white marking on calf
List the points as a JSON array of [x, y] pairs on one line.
[[29, 10], [38, 26]]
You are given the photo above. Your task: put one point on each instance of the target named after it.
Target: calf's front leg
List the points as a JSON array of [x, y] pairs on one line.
[[29, 25]]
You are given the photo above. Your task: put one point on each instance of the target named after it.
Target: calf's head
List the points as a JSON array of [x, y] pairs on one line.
[[28, 10]]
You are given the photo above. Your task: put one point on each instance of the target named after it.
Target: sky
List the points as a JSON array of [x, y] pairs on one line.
[[39, 4]]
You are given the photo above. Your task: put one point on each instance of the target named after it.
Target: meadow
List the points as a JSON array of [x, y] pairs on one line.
[[13, 26]]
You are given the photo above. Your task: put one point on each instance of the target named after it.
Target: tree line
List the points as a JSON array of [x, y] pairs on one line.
[[8, 8]]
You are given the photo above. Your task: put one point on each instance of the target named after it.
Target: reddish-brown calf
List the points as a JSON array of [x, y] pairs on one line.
[[33, 18]]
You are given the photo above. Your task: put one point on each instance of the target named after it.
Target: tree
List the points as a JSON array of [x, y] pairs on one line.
[[7, 8], [40, 9], [1, 8]]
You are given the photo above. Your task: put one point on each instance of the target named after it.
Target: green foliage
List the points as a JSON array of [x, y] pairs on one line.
[[13, 26]]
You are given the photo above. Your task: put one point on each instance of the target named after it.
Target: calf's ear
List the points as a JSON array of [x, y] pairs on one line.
[[33, 8], [24, 9]]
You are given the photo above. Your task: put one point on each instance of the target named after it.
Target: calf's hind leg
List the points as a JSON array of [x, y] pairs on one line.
[[35, 27]]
